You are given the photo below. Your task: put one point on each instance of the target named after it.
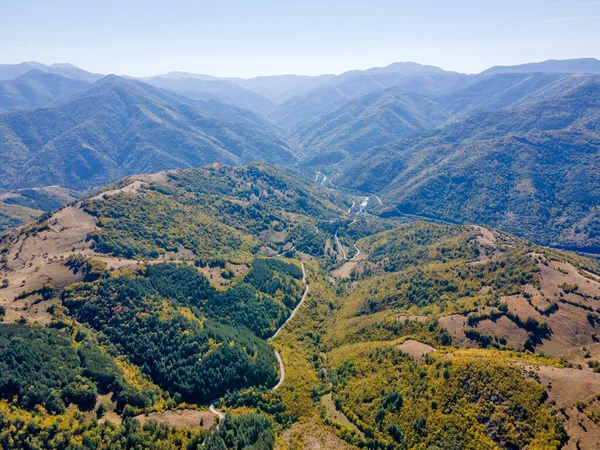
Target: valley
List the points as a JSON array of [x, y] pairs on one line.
[[388, 332], [400, 257]]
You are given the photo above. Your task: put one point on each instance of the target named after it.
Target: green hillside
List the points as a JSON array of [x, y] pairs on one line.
[[530, 171], [418, 335]]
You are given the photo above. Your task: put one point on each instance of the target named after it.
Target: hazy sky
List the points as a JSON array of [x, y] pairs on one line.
[[265, 37]]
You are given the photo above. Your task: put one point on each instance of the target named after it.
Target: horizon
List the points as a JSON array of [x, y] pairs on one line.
[[141, 77], [267, 38]]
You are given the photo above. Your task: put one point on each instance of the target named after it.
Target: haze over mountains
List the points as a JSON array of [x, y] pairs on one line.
[[345, 262], [117, 127], [401, 131]]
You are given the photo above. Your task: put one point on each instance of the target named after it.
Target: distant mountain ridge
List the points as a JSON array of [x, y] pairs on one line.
[[10, 71], [581, 65], [294, 100], [384, 116], [117, 127], [35, 89]]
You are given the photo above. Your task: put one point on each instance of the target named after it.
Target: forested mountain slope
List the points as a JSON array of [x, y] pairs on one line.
[[189, 326], [298, 111], [529, 170], [369, 121], [385, 116], [36, 89], [118, 127]]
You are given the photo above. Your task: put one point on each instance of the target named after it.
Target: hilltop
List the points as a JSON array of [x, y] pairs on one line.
[[410, 333]]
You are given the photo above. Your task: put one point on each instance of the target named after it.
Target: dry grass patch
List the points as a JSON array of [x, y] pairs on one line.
[[416, 349], [188, 418]]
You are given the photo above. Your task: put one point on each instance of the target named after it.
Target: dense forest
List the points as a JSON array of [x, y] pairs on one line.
[[190, 339], [41, 366]]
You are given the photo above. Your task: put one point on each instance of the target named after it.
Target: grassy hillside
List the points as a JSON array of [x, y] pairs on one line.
[[23, 205]]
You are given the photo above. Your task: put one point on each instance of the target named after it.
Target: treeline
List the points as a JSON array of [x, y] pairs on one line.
[[91, 269], [192, 356]]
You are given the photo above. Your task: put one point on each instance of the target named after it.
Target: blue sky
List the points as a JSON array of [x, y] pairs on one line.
[[260, 37]]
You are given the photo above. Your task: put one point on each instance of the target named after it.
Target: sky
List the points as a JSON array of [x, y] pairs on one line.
[[307, 37]]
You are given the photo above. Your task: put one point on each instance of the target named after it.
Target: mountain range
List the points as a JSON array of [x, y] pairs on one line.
[[532, 170], [402, 131], [117, 127], [10, 71], [378, 259], [36, 89]]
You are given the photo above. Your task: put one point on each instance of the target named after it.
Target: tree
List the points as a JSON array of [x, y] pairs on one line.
[[102, 409], [54, 403]]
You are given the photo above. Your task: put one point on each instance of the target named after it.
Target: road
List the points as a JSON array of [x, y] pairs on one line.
[[357, 252], [297, 306], [340, 246], [281, 371], [220, 414], [288, 250], [215, 411]]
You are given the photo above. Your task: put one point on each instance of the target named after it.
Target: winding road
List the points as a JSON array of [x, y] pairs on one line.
[[281, 371], [353, 204], [340, 246], [357, 252], [362, 208], [219, 413], [215, 411], [297, 306]]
